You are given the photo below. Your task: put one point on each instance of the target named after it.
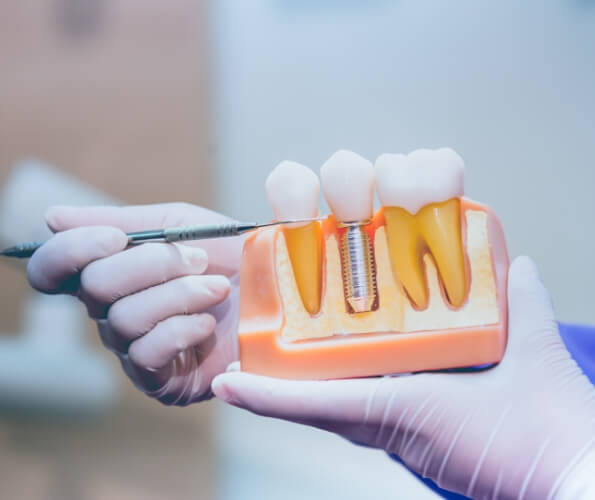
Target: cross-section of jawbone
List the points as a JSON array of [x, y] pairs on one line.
[[280, 336], [293, 191], [420, 193]]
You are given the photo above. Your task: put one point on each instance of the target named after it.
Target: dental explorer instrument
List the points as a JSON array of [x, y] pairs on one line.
[[169, 235]]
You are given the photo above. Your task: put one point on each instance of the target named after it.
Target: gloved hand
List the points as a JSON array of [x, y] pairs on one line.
[[523, 429], [168, 311]]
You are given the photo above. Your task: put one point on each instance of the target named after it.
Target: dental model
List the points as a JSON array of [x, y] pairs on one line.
[[419, 285]]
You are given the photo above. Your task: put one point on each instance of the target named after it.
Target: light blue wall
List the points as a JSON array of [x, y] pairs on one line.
[[508, 84]]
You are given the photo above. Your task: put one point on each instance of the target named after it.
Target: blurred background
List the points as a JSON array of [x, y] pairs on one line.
[[140, 101]]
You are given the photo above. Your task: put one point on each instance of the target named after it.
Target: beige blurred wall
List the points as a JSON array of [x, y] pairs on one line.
[[121, 105], [114, 93]]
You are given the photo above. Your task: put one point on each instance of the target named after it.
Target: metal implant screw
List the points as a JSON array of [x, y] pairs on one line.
[[358, 266]]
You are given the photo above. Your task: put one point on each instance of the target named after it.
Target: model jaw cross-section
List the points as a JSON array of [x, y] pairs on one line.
[[418, 285]]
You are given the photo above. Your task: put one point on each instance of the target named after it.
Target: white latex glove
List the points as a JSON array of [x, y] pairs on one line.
[[168, 311], [523, 429]]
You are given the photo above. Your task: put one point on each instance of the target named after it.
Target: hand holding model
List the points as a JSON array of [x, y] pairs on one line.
[[523, 429], [168, 311]]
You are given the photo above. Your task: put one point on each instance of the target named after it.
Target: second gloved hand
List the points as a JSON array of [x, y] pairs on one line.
[[523, 429], [168, 311]]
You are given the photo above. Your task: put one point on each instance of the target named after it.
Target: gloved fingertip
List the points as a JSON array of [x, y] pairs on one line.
[[233, 367], [197, 258], [201, 258], [523, 276], [219, 285], [36, 277], [53, 217], [221, 389], [527, 295], [524, 265], [110, 239], [207, 321]]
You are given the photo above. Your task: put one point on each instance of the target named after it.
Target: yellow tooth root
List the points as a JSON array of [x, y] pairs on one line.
[[440, 224], [435, 228], [304, 245], [406, 247]]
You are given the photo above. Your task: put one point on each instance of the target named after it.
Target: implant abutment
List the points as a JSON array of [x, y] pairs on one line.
[[358, 266]]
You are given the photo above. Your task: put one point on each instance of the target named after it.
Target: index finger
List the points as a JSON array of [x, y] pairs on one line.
[[130, 218], [55, 267]]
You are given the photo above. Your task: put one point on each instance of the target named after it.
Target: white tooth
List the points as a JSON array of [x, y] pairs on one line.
[[423, 176], [348, 186], [293, 190]]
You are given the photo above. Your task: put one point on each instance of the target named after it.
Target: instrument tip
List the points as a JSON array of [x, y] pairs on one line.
[[7, 252], [23, 251]]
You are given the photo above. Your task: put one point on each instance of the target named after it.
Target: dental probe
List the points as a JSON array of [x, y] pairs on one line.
[[169, 235]]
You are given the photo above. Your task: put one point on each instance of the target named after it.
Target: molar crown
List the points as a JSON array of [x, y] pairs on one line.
[[422, 177]]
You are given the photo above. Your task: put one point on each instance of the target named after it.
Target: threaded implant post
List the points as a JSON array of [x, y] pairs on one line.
[[359, 267]]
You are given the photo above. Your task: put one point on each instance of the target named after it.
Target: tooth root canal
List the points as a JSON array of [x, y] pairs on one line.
[[436, 228], [304, 245]]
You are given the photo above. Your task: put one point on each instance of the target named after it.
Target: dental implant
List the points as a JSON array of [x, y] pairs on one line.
[[358, 267], [348, 185]]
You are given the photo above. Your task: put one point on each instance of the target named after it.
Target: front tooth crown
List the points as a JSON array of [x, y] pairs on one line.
[[293, 191], [348, 186], [420, 193]]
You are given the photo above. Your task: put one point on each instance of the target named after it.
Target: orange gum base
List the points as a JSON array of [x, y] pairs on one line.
[[261, 320]]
